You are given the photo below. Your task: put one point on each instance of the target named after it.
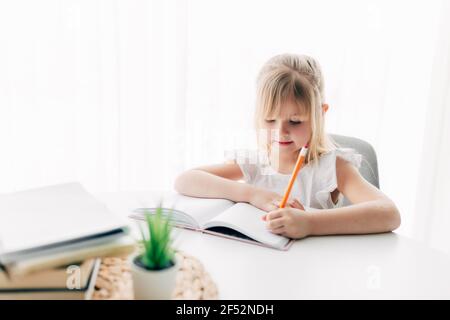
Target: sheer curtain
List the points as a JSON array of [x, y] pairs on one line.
[[92, 91], [123, 95], [432, 214]]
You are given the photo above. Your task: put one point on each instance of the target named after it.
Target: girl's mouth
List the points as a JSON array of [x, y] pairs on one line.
[[284, 143]]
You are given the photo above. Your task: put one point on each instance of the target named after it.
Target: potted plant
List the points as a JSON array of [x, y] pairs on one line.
[[154, 269]]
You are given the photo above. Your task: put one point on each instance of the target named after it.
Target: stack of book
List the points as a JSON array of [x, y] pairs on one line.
[[74, 282], [51, 239]]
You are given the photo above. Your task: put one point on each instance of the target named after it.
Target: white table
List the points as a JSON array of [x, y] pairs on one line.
[[383, 266]]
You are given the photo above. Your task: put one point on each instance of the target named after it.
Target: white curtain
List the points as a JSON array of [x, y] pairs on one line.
[[92, 91], [432, 214], [125, 94]]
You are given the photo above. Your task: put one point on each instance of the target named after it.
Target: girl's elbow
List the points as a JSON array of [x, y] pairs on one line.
[[180, 183], [394, 219]]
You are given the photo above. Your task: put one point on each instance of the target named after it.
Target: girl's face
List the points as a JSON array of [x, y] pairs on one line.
[[288, 131]]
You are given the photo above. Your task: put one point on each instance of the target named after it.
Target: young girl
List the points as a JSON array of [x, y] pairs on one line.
[[290, 112]]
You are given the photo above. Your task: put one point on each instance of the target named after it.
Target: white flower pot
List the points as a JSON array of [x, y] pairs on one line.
[[153, 284]]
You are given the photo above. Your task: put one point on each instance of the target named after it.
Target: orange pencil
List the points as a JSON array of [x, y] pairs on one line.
[[298, 166]]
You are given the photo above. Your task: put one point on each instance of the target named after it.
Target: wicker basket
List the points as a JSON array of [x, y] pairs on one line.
[[193, 282]]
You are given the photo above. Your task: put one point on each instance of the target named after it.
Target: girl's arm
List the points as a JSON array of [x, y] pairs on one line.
[[371, 210], [219, 181], [215, 181]]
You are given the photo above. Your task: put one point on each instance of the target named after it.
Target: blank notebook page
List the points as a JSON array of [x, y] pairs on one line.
[[246, 219], [201, 209]]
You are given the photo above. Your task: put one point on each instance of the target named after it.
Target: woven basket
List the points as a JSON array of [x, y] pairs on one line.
[[114, 280]]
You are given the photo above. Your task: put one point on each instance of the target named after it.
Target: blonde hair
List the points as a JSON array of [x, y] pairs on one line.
[[297, 77]]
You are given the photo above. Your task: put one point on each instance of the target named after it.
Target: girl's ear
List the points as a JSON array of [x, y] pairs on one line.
[[325, 107]]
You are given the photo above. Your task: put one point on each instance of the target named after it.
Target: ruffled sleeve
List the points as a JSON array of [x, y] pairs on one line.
[[327, 178], [350, 155]]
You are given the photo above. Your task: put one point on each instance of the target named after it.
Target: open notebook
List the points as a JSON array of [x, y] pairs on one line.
[[220, 217]]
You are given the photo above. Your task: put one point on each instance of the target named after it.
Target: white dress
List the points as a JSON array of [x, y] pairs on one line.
[[314, 182]]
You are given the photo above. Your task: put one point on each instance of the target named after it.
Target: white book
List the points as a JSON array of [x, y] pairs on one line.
[[221, 217], [118, 247], [51, 220]]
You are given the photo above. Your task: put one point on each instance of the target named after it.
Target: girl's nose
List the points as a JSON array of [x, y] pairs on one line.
[[283, 129]]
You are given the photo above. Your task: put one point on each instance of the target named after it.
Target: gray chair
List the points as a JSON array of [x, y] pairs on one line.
[[369, 164]]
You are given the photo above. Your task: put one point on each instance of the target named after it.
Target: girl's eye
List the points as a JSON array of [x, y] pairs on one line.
[[294, 122], [270, 120]]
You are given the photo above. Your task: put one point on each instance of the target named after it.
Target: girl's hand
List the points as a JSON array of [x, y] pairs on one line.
[[289, 222], [269, 201]]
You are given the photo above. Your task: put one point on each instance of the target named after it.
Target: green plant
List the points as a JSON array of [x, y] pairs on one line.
[[157, 243]]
